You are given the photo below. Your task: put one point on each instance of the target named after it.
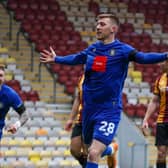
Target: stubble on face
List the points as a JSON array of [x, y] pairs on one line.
[[104, 29]]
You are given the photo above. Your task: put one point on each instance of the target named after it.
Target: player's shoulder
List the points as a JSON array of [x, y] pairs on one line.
[[94, 45], [126, 48], [7, 89], [125, 45]]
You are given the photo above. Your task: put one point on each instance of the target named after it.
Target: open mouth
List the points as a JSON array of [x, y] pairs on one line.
[[98, 33]]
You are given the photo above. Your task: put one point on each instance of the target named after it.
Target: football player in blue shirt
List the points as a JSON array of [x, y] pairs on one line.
[[9, 98], [106, 65]]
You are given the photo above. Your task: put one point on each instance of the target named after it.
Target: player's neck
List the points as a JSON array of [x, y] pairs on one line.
[[108, 40]]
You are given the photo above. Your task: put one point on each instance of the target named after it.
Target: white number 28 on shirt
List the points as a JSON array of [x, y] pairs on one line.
[[107, 128]]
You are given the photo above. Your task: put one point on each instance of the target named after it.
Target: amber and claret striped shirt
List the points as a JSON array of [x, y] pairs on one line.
[[161, 89], [80, 92]]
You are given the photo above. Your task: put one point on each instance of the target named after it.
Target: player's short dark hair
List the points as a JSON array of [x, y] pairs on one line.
[[2, 67], [109, 15]]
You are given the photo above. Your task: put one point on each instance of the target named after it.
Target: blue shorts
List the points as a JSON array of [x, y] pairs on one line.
[[101, 124]]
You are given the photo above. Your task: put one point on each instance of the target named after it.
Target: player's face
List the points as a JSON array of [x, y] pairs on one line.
[[2, 76], [104, 29]]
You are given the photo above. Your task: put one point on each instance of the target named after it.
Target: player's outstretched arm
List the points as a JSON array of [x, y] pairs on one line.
[[73, 114], [150, 110], [150, 58], [22, 120], [48, 56]]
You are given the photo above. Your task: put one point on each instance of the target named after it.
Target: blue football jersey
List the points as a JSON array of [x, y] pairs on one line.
[[8, 98], [106, 67]]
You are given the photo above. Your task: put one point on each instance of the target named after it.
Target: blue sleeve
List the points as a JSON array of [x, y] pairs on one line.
[[149, 58], [73, 59], [143, 58], [128, 51]]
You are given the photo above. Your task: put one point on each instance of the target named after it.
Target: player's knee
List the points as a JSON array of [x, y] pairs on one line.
[[161, 155], [74, 152], [93, 154]]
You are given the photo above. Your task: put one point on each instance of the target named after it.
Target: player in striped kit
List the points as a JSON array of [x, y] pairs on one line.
[[160, 98], [77, 147]]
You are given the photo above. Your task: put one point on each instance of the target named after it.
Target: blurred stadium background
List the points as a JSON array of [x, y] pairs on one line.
[[27, 27]]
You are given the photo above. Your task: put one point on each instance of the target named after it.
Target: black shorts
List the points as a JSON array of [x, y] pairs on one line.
[[77, 130], [162, 134]]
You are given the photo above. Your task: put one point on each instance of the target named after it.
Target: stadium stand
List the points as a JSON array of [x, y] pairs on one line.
[[41, 35], [14, 77]]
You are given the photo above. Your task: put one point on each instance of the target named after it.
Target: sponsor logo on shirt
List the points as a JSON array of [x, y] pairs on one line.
[[99, 63]]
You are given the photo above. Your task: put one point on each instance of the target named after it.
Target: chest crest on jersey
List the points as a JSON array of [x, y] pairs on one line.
[[112, 52], [94, 49]]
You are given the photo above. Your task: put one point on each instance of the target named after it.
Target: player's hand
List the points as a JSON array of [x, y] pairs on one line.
[[68, 125], [145, 124], [145, 127], [11, 128], [47, 56]]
